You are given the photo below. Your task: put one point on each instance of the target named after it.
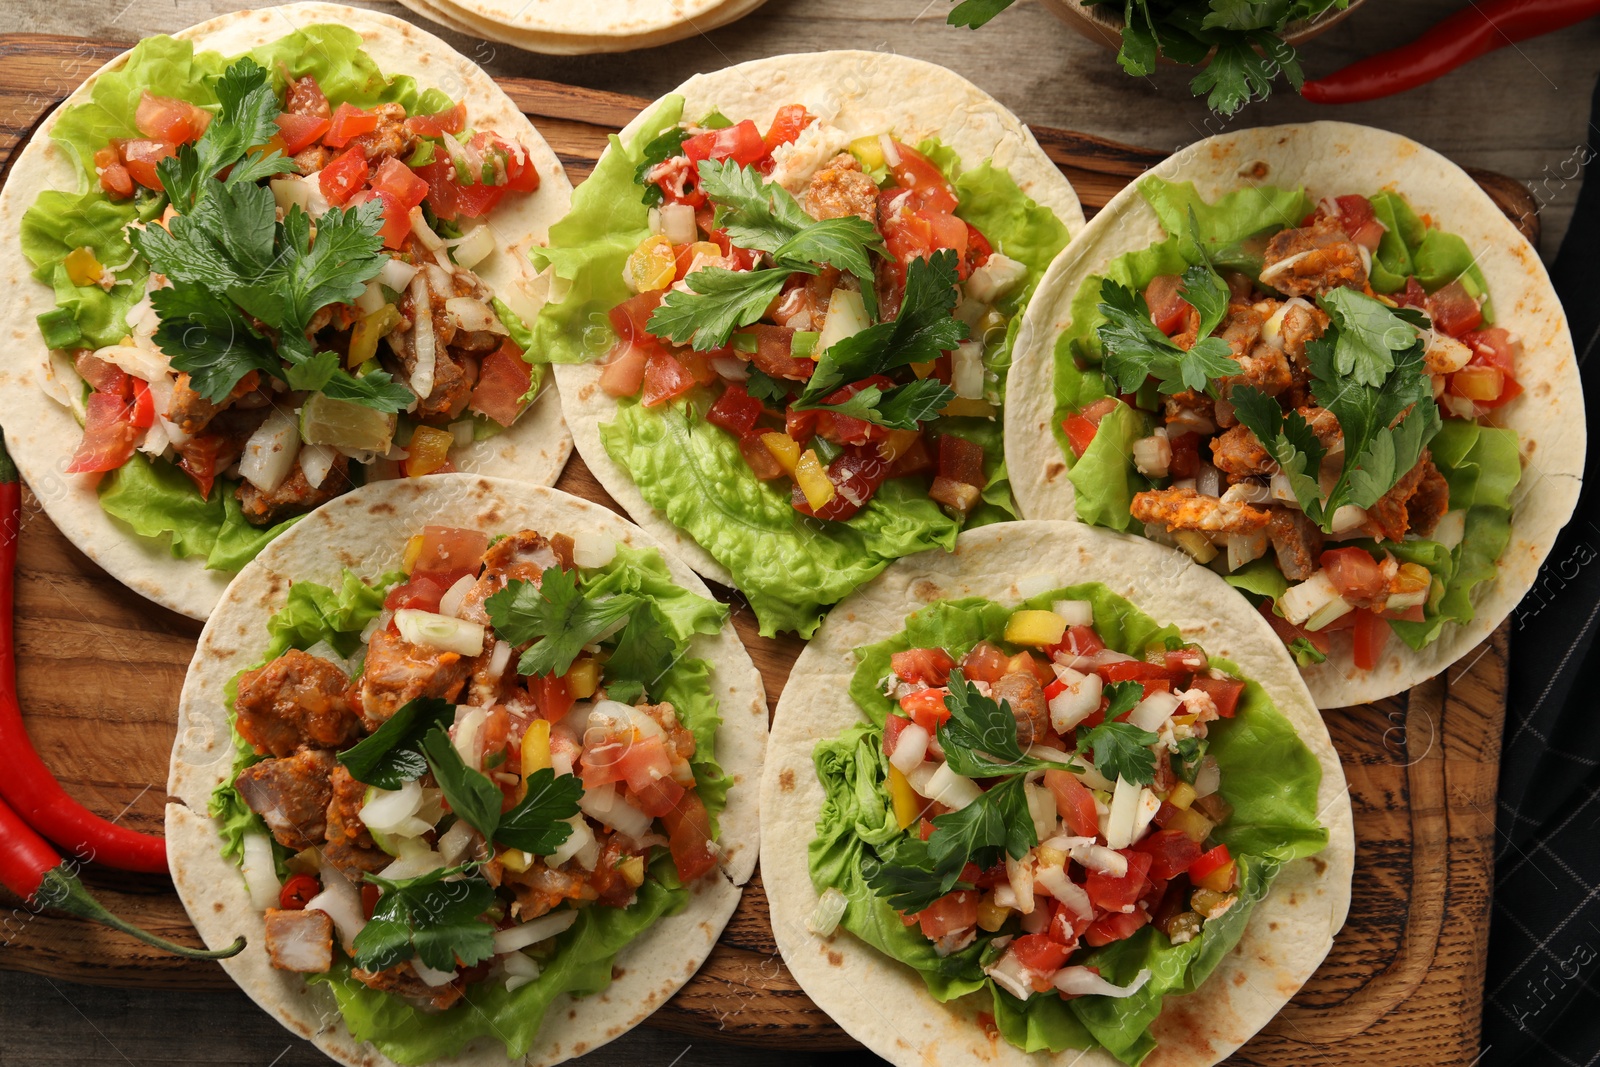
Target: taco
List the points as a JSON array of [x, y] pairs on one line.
[[1319, 360], [1071, 796], [474, 764], [787, 298], [559, 28], [200, 361]]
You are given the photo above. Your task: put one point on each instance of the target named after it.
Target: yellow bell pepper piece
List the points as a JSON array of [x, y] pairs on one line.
[[413, 550], [784, 449], [584, 678], [992, 916], [651, 266], [907, 805], [428, 451], [868, 150], [368, 331], [922, 370], [514, 859], [632, 870], [536, 747], [897, 444], [978, 409], [82, 267], [812, 478], [1037, 629], [1182, 796]]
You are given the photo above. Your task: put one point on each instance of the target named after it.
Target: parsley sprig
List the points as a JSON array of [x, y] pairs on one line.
[[558, 615], [436, 917], [1135, 349]]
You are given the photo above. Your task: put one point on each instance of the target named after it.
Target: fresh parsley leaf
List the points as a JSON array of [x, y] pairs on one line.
[[1136, 350], [662, 147], [1305, 653], [919, 334], [1289, 440], [1121, 750], [314, 373], [1205, 290], [538, 824], [899, 408], [767, 389], [436, 920], [904, 875], [375, 389], [720, 301], [974, 13], [1242, 69], [644, 652], [980, 737], [209, 339], [1121, 697], [998, 820], [1369, 334], [755, 213], [391, 755], [558, 613], [841, 242], [248, 108], [1187, 762], [471, 794]]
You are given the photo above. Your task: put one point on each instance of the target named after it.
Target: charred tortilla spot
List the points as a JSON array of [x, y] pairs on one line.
[[786, 780], [1052, 471], [835, 959], [382, 507]]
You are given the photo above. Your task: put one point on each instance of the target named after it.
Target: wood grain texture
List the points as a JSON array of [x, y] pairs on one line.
[[100, 669]]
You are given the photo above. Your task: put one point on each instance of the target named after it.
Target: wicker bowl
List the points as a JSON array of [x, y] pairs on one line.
[[1101, 25]]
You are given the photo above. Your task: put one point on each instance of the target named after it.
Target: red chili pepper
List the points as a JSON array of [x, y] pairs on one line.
[[33, 870], [27, 784], [1461, 38]]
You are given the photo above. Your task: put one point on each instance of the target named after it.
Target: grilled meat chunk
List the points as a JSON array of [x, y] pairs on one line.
[[297, 699], [1296, 540], [1021, 690], [299, 940], [291, 795], [391, 138], [1185, 509], [1313, 260], [840, 189], [350, 846], [402, 980], [294, 495], [1239, 454], [398, 671], [1415, 503]]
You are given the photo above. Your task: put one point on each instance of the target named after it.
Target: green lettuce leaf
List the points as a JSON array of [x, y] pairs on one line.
[[1268, 775], [788, 566], [157, 500], [1104, 478], [579, 965], [1260, 577]]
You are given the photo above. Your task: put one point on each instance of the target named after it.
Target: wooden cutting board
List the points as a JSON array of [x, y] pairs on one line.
[[100, 669]]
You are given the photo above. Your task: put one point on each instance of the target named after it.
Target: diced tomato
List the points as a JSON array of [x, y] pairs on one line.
[[140, 159], [1354, 573], [1028, 663], [930, 189], [689, 836], [1168, 309], [773, 355], [439, 123], [1078, 641], [1371, 631], [396, 179], [1358, 220], [1224, 692], [1074, 803], [1115, 926], [1454, 310], [978, 251], [1081, 428], [1039, 954], [102, 375], [735, 410], [143, 411], [1066, 925], [114, 177], [655, 796], [1171, 853], [846, 429], [786, 125], [1494, 349], [907, 235], [165, 118], [893, 727], [704, 218], [1112, 893], [741, 142], [343, 176], [926, 708], [927, 666], [1132, 670], [759, 457], [552, 695], [1412, 296], [1185, 455], [916, 459], [856, 475], [664, 378], [521, 175], [421, 593], [304, 97], [950, 914], [985, 663], [300, 888], [961, 460], [197, 457], [300, 132], [109, 435], [631, 318], [449, 553], [948, 232], [348, 123], [623, 373], [800, 425], [1210, 862], [504, 378]]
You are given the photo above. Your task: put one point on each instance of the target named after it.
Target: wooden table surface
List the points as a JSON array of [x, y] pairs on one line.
[[1521, 111]]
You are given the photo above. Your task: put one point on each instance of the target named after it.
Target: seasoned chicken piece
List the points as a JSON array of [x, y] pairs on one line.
[[403, 981], [398, 671], [541, 888], [299, 940], [1189, 412], [1323, 423], [191, 412], [1313, 260], [1238, 453], [294, 495], [522, 556], [1296, 540], [391, 138], [1264, 367], [350, 847], [454, 373], [1241, 328], [1185, 509], [840, 189], [297, 699], [1301, 323], [311, 160], [1021, 690], [1422, 487], [291, 795]]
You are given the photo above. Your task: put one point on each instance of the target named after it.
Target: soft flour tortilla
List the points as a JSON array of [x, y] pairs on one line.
[[883, 1003], [861, 93], [42, 433], [366, 531], [560, 27], [1332, 158]]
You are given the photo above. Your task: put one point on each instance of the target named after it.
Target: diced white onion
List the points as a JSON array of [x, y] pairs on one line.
[[1149, 804], [1042, 807], [534, 931], [653, 218], [1153, 454], [371, 299], [424, 233], [422, 339], [1054, 880], [891, 151], [388, 809], [1009, 974], [1079, 700], [605, 807], [847, 316], [824, 918], [1209, 481], [1095, 780], [1124, 809], [260, 872], [396, 274], [473, 247], [1245, 547], [1154, 710], [732, 368], [441, 632], [519, 965], [580, 838], [474, 316], [1347, 517], [951, 789], [499, 659], [450, 603], [1284, 265], [966, 370], [1208, 778], [677, 223], [590, 549], [270, 452], [454, 844], [1316, 596], [465, 737], [1075, 612], [1019, 873], [291, 192], [1081, 981], [910, 748], [1106, 860], [1248, 493], [998, 275], [146, 364], [429, 975], [415, 858], [340, 901]]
